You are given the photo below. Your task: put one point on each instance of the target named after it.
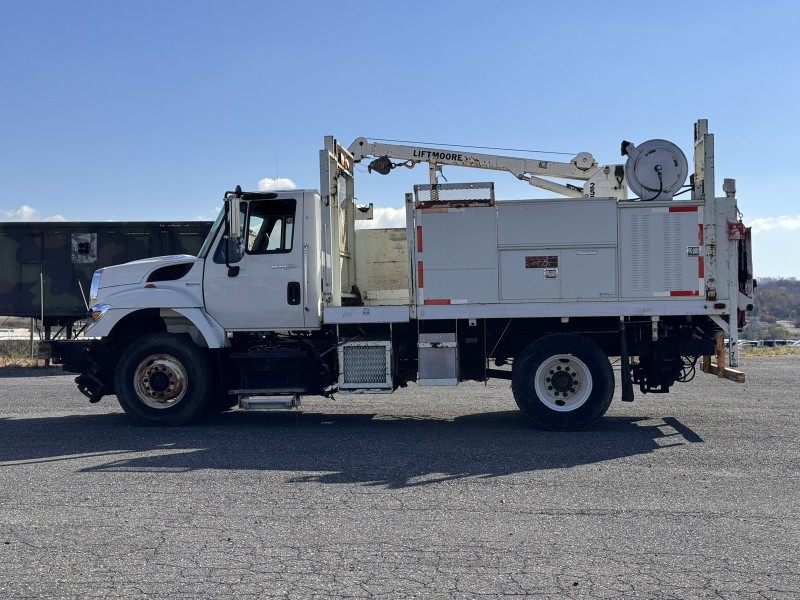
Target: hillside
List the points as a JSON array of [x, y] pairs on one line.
[[777, 299], [777, 310]]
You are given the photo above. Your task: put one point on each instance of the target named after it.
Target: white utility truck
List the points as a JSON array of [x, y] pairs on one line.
[[287, 298]]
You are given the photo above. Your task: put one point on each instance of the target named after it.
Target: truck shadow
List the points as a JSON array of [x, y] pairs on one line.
[[367, 449]]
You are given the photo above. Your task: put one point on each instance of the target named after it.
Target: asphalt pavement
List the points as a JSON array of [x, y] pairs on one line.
[[425, 493]]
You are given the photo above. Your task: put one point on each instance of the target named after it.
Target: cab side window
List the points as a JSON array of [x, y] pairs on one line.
[[268, 229], [270, 226]]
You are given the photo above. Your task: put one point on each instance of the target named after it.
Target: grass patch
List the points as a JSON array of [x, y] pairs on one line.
[[17, 353], [770, 351]]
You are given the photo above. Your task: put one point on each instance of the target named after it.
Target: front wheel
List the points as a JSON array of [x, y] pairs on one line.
[[162, 379], [563, 381]]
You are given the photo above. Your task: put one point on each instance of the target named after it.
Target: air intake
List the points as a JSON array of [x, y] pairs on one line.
[[171, 272]]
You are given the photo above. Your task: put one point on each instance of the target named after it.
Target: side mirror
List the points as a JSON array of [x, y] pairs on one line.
[[234, 224]]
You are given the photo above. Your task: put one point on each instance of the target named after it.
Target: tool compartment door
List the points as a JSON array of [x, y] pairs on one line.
[[551, 250], [580, 273], [456, 255], [661, 250]]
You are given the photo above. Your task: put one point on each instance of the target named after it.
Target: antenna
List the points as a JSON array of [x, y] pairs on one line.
[[83, 296]]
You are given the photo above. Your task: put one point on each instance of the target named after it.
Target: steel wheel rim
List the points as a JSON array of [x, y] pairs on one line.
[[160, 381], [563, 383]]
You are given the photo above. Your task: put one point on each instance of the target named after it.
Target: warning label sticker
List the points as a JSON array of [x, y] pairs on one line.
[[541, 262]]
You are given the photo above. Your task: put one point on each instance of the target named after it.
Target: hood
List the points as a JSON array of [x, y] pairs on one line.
[[138, 271]]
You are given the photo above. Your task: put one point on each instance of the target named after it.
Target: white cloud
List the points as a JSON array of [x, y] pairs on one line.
[[384, 218], [281, 183], [27, 213], [23, 213], [782, 223]]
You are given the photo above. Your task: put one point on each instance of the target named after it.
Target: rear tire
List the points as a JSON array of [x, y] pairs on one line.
[[163, 379], [563, 381]]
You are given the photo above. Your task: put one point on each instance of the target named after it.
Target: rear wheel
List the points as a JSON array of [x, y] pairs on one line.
[[162, 379], [563, 381]]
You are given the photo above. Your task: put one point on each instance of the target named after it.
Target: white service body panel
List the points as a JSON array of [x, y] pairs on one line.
[[589, 250], [457, 255]]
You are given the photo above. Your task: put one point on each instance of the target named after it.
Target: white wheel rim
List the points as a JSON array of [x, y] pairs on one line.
[[563, 383], [160, 381]]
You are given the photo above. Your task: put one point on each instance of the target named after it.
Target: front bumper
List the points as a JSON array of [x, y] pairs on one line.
[[88, 358], [73, 355]]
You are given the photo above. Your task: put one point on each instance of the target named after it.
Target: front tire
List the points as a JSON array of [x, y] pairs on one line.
[[162, 379], [563, 381]]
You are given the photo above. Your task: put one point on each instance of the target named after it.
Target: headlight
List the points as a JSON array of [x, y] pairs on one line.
[[98, 275]]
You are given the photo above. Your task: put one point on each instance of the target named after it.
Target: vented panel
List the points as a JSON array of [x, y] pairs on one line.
[[365, 365], [640, 256], [454, 194], [660, 250]]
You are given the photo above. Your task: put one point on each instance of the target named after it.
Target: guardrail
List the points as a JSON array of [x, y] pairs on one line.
[[17, 334], [768, 343]]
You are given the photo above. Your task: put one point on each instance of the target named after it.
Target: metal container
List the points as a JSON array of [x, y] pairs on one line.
[[46, 267]]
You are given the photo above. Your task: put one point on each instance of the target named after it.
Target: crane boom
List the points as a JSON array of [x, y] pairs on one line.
[[601, 181]]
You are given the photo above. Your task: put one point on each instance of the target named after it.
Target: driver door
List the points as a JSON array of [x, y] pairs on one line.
[[266, 293]]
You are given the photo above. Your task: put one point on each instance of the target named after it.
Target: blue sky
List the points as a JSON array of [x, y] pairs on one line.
[[150, 110]]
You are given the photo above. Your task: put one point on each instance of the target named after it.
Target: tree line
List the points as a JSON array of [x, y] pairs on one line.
[[777, 299]]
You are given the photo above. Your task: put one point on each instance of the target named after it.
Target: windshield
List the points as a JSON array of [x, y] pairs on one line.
[[211, 234]]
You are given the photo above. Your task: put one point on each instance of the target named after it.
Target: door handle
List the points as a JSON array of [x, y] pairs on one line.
[[305, 275], [293, 293]]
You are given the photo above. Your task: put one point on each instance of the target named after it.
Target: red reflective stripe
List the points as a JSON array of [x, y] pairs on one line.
[[682, 209], [700, 233], [419, 275], [437, 301], [419, 238], [684, 293]]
